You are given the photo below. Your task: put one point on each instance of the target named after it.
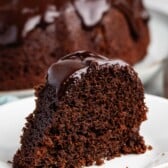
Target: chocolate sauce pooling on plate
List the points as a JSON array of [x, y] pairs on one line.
[[19, 17]]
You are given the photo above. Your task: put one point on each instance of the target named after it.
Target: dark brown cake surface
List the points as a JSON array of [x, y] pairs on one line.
[[38, 33], [90, 113]]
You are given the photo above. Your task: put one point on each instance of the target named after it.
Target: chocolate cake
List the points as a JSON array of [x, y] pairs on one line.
[[34, 34], [89, 109]]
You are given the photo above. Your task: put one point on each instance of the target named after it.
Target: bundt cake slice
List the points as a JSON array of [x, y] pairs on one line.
[[90, 109]]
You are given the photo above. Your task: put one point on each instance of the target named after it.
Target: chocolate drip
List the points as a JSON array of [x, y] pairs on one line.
[[65, 67], [75, 64], [15, 15], [91, 11], [19, 17]]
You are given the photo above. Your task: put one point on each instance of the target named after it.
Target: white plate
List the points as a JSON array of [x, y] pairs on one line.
[[18, 93], [12, 119], [158, 49]]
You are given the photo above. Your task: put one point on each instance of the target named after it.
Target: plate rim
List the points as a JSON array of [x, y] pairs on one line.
[[150, 98]]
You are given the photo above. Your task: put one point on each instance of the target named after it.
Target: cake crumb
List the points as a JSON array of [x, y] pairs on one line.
[[9, 162], [149, 147], [99, 162]]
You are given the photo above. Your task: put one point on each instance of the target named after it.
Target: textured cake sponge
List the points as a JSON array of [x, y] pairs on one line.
[[84, 115]]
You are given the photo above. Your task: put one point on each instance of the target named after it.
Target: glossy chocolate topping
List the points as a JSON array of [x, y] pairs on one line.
[[19, 17], [61, 70], [75, 64]]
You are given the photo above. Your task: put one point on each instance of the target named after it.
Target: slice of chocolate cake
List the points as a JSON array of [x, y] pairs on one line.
[[89, 109]]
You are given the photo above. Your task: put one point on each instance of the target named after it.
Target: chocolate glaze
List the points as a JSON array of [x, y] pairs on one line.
[[74, 65], [16, 14], [66, 66], [91, 11]]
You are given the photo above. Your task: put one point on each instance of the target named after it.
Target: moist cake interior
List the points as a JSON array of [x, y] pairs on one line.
[[93, 117]]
